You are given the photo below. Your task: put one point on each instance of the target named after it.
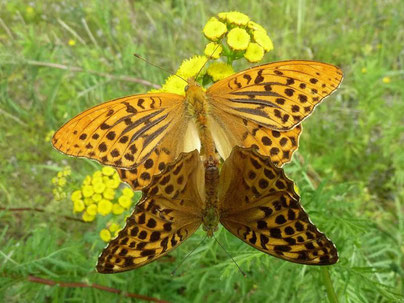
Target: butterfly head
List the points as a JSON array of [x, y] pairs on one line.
[[210, 220]]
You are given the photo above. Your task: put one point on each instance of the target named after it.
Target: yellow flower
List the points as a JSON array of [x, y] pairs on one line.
[[115, 176], [236, 18], [97, 180], [255, 26], [62, 182], [99, 188], [213, 47], [114, 227], [92, 209], [87, 191], [67, 171], [108, 171], [87, 180], [109, 193], [76, 195], [78, 206], [72, 42], [60, 174], [128, 192], [254, 52], [386, 80], [263, 39], [238, 38], [190, 67], [112, 183], [88, 201], [117, 209], [174, 85], [218, 71], [49, 135], [214, 29], [55, 180], [87, 217], [96, 197], [97, 174], [104, 207], [105, 235], [125, 201], [364, 70]]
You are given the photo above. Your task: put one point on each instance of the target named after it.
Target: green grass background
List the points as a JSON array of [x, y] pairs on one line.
[[352, 146]]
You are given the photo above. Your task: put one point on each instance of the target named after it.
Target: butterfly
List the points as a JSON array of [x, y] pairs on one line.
[[260, 107], [250, 197]]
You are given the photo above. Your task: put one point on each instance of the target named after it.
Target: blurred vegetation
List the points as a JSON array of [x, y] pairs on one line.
[[59, 57]]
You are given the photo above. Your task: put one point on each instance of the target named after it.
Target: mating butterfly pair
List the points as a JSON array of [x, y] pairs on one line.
[[261, 108]]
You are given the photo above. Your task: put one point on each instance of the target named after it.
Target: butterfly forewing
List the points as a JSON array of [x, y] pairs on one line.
[[123, 132], [276, 95], [265, 211], [167, 215]]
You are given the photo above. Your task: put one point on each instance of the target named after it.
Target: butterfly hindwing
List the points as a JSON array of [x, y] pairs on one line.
[[265, 211], [277, 95], [167, 215], [124, 132]]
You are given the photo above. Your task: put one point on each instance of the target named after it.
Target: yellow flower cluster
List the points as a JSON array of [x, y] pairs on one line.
[[97, 195], [59, 182], [243, 36], [49, 135], [106, 233]]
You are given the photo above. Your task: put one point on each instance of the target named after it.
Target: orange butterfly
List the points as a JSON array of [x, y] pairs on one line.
[[260, 107], [251, 197]]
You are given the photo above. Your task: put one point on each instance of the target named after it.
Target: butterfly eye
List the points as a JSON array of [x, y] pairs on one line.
[[186, 87]]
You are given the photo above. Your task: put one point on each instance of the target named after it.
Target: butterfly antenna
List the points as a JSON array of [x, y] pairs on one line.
[[182, 261], [155, 65], [196, 77], [241, 271]]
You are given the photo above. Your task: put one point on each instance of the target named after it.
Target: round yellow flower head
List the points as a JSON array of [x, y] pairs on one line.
[[128, 192], [108, 171], [125, 201], [87, 191], [109, 193], [96, 197], [386, 80], [213, 50], [87, 217], [97, 174], [87, 180], [97, 180], [238, 38], [88, 201], [263, 39], [218, 71], [236, 18], [62, 181], [214, 29], [67, 171], [99, 188], [114, 227], [174, 85], [92, 209], [364, 70], [117, 209], [254, 52], [190, 67], [76, 195], [255, 26], [105, 235], [78, 206], [104, 207], [112, 183], [55, 180]]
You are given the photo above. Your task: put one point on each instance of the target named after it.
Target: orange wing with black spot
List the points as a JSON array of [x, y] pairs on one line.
[[258, 204], [170, 211], [277, 95], [125, 132]]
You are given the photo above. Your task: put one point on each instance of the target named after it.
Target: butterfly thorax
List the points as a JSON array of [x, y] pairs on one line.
[[198, 107], [210, 216]]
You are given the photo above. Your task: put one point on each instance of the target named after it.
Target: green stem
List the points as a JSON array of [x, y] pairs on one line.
[[332, 296]]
